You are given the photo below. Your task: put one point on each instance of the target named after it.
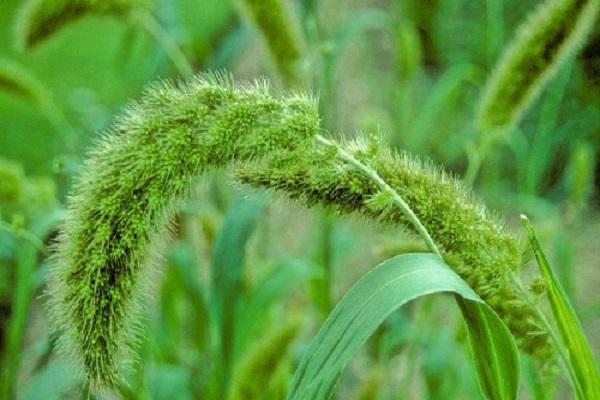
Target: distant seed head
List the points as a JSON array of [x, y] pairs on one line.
[[39, 19], [555, 31], [17, 81], [12, 177], [272, 20], [255, 378]]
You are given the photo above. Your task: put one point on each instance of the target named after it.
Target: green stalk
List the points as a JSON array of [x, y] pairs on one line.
[[321, 284], [16, 327], [149, 23]]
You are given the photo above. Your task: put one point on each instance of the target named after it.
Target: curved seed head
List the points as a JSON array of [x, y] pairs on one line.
[[16, 80], [118, 212]]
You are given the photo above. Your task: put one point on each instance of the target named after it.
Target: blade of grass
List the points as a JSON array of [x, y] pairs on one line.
[[271, 290], [228, 258], [542, 147], [581, 361], [387, 287], [149, 23]]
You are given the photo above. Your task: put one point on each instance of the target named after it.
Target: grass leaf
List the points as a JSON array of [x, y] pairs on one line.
[[253, 312], [392, 284], [582, 363], [229, 253]]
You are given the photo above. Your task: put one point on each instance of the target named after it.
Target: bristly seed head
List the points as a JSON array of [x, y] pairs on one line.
[[121, 204]]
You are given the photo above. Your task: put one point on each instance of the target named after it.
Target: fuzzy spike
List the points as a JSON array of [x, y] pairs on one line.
[[121, 204]]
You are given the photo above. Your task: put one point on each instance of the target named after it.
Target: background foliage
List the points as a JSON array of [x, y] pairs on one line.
[[412, 69]]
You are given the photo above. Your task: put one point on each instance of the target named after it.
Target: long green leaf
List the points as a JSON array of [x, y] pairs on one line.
[[582, 363], [253, 311], [387, 287], [229, 253], [493, 349]]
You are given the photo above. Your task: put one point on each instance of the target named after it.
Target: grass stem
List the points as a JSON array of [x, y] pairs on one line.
[[149, 23], [383, 185]]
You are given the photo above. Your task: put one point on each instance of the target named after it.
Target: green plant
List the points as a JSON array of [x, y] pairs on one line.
[[116, 219], [133, 183]]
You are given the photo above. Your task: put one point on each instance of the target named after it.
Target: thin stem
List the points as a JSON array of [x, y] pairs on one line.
[[57, 118], [147, 21], [26, 257], [473, 164], [25, 235], [383, 185]]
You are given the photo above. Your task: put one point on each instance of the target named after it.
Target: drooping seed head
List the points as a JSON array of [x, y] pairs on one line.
[[118, 212], [17, 81]]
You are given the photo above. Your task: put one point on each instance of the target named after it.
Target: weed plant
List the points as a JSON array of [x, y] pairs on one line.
[[136, 270]]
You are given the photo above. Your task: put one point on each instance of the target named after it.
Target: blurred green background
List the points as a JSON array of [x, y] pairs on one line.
[[412, 69]]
